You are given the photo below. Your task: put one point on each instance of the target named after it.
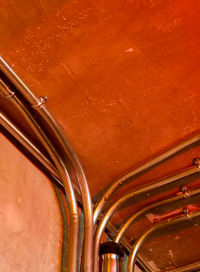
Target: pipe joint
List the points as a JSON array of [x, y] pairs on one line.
[[111, 248]]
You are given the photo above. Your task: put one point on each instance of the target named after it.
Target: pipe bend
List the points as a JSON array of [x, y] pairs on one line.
[[146, 235]]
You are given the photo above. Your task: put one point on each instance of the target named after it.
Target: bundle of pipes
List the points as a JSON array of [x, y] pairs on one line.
[[66, 169], [67, 165]]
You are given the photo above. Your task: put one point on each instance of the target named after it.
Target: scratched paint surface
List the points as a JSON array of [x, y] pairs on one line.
[[122, 77]]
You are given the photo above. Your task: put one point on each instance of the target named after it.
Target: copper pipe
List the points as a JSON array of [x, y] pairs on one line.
[[111, 231], [121, 201], [64, 176], [143, 211], [10, 127], [53, 125], [41, 157], [31, 147], [110, 262], [64, 227], [138, 170], [28, 144], [140, 241], [187, 268], [111, 255]]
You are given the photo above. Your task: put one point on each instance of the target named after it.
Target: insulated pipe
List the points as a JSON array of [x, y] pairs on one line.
[[138, 170], [187, 268], [121, 201], [64, 176], [53, 125], [146, 235], [143, 211]]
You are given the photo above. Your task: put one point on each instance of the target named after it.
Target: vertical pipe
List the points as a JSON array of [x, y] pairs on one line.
[[29, 146], [65, 229], [110, 263], [111, 255]]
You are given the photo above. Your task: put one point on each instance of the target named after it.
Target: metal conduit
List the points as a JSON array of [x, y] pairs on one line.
[[143, 211], [138, 170], [111, 255], [64, 176], [187, 268], [10, 127], [27, 143], [110, 263], [29, 146], [65, 228], [53, 125], [140, 241], [133, 173], [111, 231], [121, 201]]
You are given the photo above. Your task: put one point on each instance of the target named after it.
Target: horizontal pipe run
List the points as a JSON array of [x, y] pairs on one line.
[[143, 211], [140, 241], [52, 125], [121, 201], [138, 170]]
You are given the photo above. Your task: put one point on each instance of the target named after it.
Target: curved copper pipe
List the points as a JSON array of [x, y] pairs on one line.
[[28, 144], [187, 268], [130, 175], [10, 127], [64, 176], [134, 217], [31, 147], [53, 125], [111, 231], [140, 241], [121, 201]]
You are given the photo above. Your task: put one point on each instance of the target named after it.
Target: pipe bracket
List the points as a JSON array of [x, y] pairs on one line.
[[184, 190], [4, 88], [186, 212], [41, 101], [196, 162]]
